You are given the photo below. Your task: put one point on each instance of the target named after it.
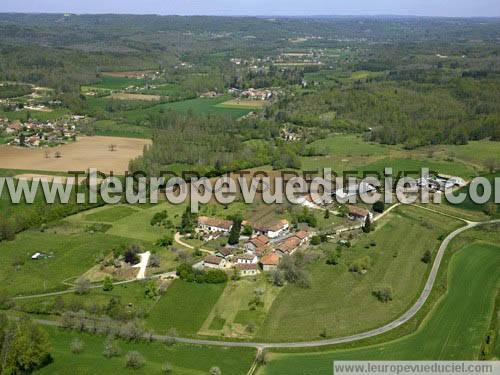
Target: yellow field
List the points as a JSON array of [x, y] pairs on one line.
[[127, 96], [86, 152], [243, 103]]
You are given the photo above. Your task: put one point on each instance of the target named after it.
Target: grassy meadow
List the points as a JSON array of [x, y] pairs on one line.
[[184, 359]]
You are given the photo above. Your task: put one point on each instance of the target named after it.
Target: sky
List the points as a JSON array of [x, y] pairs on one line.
[[447, 8]]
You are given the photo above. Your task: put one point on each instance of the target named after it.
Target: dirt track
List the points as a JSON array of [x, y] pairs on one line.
[[86, 152]]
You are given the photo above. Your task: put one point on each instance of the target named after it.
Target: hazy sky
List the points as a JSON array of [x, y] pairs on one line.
[[450, 8]]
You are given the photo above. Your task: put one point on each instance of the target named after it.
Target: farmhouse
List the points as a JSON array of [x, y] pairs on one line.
[[288, 245], [270, 262], [224, 252], [272, 230], [247, 269], [212, 261], [214, 224], [358, 213], [246, 259], [255, 243], [303, 236]]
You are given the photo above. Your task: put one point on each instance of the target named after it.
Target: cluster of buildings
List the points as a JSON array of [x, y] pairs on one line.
[[37, 133], [255, 94], [263, 250]]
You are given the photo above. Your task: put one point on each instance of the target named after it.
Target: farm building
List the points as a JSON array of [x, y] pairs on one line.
[[358, 213], [246, 259], [212, 261], [255, 243], [288, 245], [272, 230], [211, 224], [247, 269], [270, 262]]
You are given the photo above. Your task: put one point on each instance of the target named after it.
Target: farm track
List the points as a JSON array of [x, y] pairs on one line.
[[409, 314]]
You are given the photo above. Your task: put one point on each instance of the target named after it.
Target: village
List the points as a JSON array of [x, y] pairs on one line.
[[35, 133]]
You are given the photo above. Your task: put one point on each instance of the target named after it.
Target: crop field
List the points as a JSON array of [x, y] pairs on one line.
[[116, 82], [128, 96], [86, 152], [342, 301], [199, 106], [184, 359], [232, 316], [237, 103], [184, 307], [474, 274]]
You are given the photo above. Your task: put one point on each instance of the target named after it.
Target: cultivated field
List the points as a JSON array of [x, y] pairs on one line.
[[454, 330], [127, 96], [86, 152], [129, 74], [243, 103]]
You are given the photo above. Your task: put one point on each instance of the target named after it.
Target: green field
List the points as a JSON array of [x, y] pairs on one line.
[[111, 128], [453, 331], [131, 295], [351, 153], [197, 106], [35, 115], [342, 301], [73, 254], [185, 359], [115, 83], [110, 214], [184, 307]]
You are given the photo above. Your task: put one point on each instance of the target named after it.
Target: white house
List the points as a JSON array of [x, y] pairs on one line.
[[272, 230], [247, 269], [246, 259], [211, 224]]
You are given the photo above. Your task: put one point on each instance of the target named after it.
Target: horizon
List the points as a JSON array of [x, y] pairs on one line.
[[262, 8]]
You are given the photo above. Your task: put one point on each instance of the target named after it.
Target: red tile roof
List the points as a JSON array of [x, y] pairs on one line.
[[271, 259], [214, 222]]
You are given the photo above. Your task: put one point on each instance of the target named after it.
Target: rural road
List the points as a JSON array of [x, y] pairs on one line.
[[178, 239], [339, 340]]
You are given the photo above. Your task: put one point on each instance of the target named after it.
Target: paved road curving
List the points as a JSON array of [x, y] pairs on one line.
[[339, 340]]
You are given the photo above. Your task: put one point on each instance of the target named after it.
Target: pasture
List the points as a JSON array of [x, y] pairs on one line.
[[111, 128], [85, 153], [185, 359], [473, 276], [341, 301]]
